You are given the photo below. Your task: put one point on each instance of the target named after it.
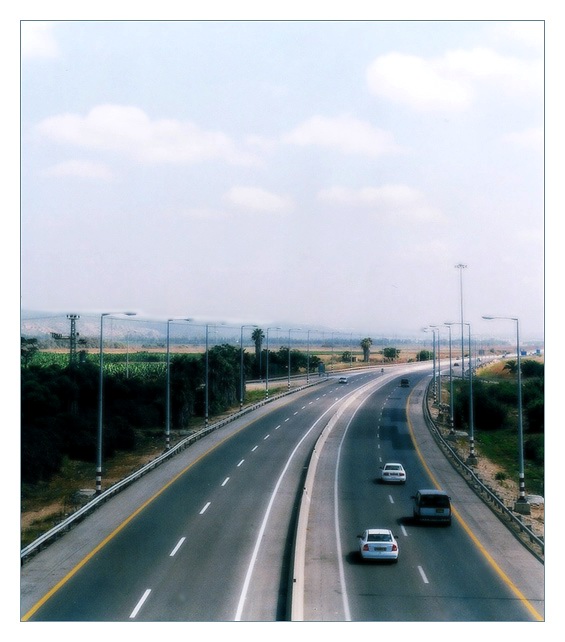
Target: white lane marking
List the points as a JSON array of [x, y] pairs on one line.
[[391, 499], [310, 403], [304, 407], [266, 437], [176, 548], [263, 528], [423, 575], [254, 449], [404, 531], [296, 412], [205, 508], [241, 462], [287, 419], [226, 480], [140, 604], [278, 427]]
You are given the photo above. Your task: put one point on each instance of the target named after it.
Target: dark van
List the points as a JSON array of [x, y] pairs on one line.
[[404, 383], [432, 505]]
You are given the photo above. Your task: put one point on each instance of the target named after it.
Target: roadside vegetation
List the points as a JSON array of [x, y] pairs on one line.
[[495, 417], [59, 411]]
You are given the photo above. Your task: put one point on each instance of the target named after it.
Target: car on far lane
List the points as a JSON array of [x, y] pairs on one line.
[[405, 383], [393, 472], [432, 505], [378, 544], [343, 380]]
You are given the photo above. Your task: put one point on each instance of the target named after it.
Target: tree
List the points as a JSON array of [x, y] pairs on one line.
[[366, 344], [424, 355], [29, 349], [532, 368], [258, 335], [511, 366], [391, 354]]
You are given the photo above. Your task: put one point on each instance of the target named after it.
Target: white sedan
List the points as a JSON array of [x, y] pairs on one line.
[[378, 544], [393, 472]]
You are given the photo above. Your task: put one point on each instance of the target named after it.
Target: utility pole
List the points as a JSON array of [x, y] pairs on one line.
[[72, 338]]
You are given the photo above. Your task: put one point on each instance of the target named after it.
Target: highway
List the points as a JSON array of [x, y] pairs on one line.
[[209, 537], [444, 573]]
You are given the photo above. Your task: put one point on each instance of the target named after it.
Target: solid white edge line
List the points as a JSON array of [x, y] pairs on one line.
[[255, 553], [139, 604]]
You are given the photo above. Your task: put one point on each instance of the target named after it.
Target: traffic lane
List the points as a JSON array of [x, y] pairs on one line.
[[515, 563], [325, 596], [51, 566], [441, 575], [100, 592], [256, 603]]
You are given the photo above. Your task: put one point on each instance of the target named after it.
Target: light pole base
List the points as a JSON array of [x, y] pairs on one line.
[[472, 460], [522, 506]]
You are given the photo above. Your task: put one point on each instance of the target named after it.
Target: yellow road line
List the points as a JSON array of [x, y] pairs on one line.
[[103, 543], [469, 532]]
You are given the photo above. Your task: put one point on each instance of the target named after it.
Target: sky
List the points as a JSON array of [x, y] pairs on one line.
[[312, 173]]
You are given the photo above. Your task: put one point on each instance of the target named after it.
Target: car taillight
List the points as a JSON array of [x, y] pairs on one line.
[[394, 547], [366, 547]]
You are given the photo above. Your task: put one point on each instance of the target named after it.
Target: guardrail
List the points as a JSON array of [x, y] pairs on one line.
[[484, 492], [64, 526]]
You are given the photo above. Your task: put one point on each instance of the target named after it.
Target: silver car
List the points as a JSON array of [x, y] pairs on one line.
[[378, 544]]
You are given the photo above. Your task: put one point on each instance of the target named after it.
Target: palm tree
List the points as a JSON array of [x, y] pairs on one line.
[[258, 335], [366, 344]]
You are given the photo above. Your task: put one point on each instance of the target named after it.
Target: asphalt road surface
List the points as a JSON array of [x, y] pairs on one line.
[[208, 537]]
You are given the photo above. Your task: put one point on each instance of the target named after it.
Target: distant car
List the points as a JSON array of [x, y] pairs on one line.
[[378, 544], [393, 472], [456, 365], [431, 505], [343, 380], [404, 383]]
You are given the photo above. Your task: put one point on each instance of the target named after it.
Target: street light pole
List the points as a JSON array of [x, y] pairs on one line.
[[267, 365], [168, 396], [308, 357], [521, 505], [461, 267], [207, 381], [101, 400], [289, 331], [241, 394], [472, 458], [451, 422], [438, 362]]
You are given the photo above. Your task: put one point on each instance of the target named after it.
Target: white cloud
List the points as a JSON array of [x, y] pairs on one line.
[[80, 169], [453, 81], [417, 82], [258, 200], [387, 201], [37, 40], [344, 133], [129, 131]]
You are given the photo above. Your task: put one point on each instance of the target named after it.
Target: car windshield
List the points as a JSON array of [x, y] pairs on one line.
[[379, 537], [392, 467]]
